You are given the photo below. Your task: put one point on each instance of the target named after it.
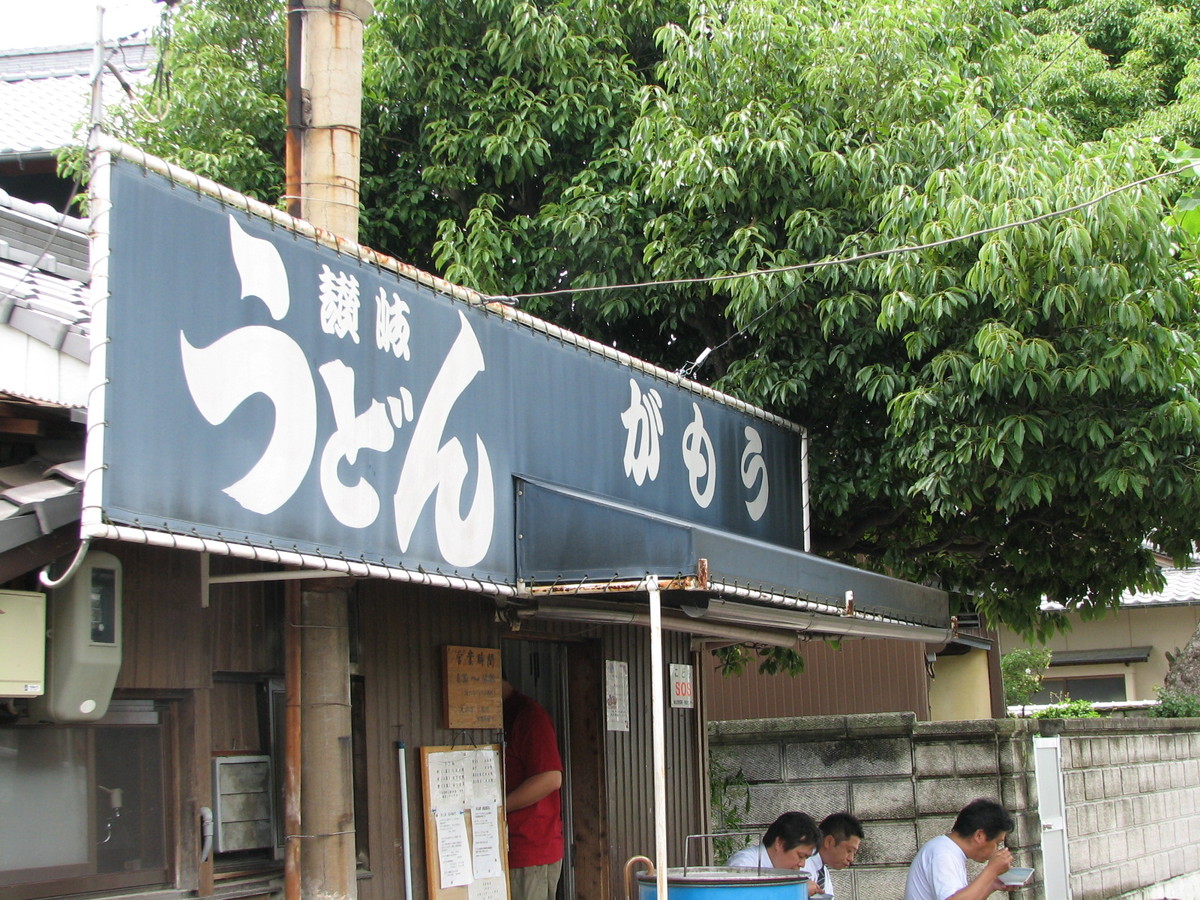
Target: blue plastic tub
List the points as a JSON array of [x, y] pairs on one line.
[[727, 883]]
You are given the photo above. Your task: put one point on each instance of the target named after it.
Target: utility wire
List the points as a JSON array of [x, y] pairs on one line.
[[691, 367], [846, 260]]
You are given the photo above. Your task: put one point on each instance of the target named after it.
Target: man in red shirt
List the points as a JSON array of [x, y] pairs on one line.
[[533, 773]]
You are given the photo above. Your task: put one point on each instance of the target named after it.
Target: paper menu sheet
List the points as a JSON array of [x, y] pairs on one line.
[[454, 860], [465, 841], [486, 841], [459, 779]]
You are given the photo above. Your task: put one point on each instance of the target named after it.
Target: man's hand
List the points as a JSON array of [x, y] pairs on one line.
[[1000, 863]]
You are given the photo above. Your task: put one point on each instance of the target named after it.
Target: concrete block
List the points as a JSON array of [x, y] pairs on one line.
[[1099, 751], [757, 762], [1110, 879], [1162, 777], [931, 827], [847, 758], [1090, 824], [1112, 782], [888, 843], [1140, 809], [1091, 882], [975, 759], [1130, 782], [876, 724], [1118, 750], [933, 759], [1146, 873], [1073, 786], [1077, 821], [949, 795], [893, 799], [1010, 757], [1014, 793], [1145, 779], [1147, 746], [1093, 785], [873, 882], [1127, 878], [1123, 814], [1135, 843], [825, 797], [768, 801]]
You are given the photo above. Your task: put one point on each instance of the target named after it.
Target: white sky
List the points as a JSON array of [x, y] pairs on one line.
[[53, 23]]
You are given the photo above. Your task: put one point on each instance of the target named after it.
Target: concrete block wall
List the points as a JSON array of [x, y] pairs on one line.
[[1132, 787], [1133, 805]]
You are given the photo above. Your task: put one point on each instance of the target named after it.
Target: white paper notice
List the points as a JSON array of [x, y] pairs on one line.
[[485, 777], [485, 846], [616, 694], [487, 889], [454, 850], [449, 785]]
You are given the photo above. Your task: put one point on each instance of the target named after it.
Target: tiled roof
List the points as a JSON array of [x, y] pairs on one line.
[[43, 304], [1183, 587], [43, 274], [40, 494], [45, 95]]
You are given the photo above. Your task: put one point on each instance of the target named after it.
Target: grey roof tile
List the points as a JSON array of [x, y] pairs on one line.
[[45, 96], [41, 494], [1183, 586]]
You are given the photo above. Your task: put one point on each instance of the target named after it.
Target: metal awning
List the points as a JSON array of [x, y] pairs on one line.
[[570, 543], [1090, 657]]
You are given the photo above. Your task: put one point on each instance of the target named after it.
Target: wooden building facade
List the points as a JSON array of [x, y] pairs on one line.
[[201, 682]]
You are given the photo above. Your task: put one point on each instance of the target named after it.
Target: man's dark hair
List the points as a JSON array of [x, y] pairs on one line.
[[983, 813], [795, 828], [842, 826]]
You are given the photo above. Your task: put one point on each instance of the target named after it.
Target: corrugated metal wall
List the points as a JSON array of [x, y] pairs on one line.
[[630, 756], [174, 643], [864, 676], [402, 630]]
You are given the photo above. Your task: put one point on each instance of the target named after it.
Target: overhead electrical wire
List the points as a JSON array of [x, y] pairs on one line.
[[845, 260], [690, 367]]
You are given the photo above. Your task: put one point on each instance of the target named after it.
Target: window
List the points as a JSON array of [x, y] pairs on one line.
[[91, 801], [1094, 688]]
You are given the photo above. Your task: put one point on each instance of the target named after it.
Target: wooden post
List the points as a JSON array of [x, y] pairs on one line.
[[292, 823], [327, 861]]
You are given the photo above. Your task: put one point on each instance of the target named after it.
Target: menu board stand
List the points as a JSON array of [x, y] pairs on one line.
[[466, 842]]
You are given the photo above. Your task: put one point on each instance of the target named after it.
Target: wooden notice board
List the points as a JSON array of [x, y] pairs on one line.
[[471, 679], [466, 843]]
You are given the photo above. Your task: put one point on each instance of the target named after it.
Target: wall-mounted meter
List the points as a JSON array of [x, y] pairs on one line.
[[83, 649], [22, 644]]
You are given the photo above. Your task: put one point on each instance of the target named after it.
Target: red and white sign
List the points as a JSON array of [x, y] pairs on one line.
[[682, 693]]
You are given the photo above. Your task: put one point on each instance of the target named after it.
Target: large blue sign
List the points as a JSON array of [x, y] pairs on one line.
[[263, 389]]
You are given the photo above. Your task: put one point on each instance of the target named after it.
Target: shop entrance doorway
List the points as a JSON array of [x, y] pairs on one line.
[[565, 677]]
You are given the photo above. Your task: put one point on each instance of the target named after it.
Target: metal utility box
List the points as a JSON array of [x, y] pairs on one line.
[[243, 803], [84, 645], [22, 644]]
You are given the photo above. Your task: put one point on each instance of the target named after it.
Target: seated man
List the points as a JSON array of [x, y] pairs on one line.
[[841, 836], [790, 840], [939, 870]]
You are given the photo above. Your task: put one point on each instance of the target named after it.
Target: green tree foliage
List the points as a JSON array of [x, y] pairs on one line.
[[1009, 415], [218, 102], [1022, 671], [1127, 64], [1175, 705]]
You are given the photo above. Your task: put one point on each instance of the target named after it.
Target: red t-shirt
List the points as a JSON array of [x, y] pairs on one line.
[[535, 833]]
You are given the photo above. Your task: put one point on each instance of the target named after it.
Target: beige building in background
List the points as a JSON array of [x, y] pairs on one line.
[[1122, 656]]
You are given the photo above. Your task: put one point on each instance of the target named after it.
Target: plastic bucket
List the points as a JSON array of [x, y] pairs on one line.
[[727, 883]]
